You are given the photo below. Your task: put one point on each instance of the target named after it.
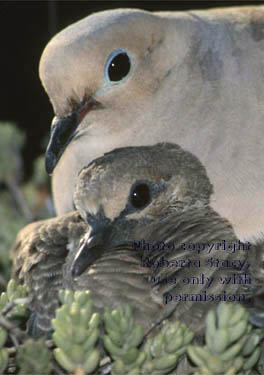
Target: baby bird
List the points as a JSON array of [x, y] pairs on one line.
[[38, 256], [126, 199]]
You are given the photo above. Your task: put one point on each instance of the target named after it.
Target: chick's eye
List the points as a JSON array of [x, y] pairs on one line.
[[140, 196], [118, 66]]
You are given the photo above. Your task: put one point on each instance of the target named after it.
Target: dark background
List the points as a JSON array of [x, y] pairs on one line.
[[26, 27]]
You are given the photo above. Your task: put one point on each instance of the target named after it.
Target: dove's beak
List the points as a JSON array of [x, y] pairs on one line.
[[63, 130], [91, 247]]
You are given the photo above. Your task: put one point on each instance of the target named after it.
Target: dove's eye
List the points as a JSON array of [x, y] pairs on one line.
[[140, 196], [118, 65]]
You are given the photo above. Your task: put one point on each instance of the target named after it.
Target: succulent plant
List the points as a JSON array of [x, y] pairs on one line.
[[3, 351], [231, 343], [76, 332], [14, 292], [164, 350], [34, 357], [160, 353], [122, 340]]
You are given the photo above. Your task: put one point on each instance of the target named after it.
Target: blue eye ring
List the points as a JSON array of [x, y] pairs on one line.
[[119, 66]]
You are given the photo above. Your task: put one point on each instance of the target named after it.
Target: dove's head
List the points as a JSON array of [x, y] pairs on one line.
[[132, 187], [100, 71]]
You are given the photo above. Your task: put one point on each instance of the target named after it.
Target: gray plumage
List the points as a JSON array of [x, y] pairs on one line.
[[194, 78], [155, 193], [38, 257]]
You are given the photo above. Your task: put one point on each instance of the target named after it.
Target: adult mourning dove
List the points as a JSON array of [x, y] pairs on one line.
[[130, 77], [155, 193]]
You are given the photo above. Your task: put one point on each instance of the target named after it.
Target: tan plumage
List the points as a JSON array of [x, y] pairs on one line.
[[194, 78], [154, 193]]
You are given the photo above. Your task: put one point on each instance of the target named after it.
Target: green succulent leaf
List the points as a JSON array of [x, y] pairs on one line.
[[34, 357]]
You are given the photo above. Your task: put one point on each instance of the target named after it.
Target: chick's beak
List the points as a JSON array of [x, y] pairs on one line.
[[91, 248]]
